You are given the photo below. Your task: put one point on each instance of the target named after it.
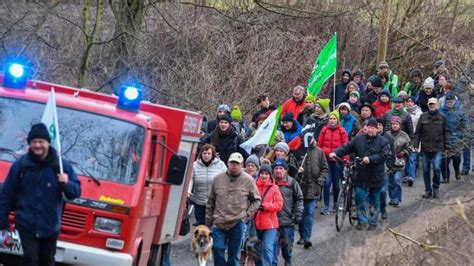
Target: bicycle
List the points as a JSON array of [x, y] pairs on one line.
[[344, 200]]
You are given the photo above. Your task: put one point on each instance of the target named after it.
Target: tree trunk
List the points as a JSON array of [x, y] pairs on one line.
[[383, 33]]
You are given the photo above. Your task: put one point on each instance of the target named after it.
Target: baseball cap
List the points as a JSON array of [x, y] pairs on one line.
[[236, 157], [432, 100]]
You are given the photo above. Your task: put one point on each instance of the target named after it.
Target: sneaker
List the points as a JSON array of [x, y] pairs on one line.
[[308, 244], [371, 228], [395, 204], [405, 180], [410, 182], [335, 208], [384, 214], [300, 242], [427, 195], [458, 176], [464, 172], [324, 211], [435, 194], [444, 181], [360, 226]]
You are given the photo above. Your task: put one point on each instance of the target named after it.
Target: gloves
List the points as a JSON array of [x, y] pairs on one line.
[[261, 208]]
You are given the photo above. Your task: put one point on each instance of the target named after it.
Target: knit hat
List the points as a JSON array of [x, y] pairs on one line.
[[372, 122], [279, 162], [223, 107], [344, 104], [352, 83], [310, 98], [265, 168], [396, 119], [253, 159], [38, 131], [288, 117], [372, 78], [380, 120], [450, 96], [429, 83], [282, 146], [355, 93], [236, 114], [335, 113], [397, 100], [376, 82], [416, 73], [439, 63], [402, 94], [324, 103], [225, 117], [412, 98], [347, 71], [383, 64], [369, 106], [386, 93]]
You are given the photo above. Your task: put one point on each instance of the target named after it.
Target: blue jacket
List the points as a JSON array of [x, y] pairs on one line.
[[347, 122], [456, 123], [33, 192], [293, 132]]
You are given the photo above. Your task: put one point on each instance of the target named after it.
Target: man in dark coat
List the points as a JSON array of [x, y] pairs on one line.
[[374, 150], [377, 86], [34, 190], [340, 93]]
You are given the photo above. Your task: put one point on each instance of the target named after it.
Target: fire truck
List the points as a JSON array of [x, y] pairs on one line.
[[133, 159]]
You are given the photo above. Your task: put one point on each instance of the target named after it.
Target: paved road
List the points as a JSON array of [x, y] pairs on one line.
[[328, 243]]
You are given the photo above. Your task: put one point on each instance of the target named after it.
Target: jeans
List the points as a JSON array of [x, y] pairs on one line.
[[431, 159], [445, 171], [395, 187], [306, 225], [37, 251], [200, 213], [383, 193], [232, 239], [267, 238], [373, 194], [411, 165], [285, 242], [166, 261], [334, 177]]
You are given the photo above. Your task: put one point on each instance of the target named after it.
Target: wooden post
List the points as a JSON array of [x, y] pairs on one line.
[[384, 25]]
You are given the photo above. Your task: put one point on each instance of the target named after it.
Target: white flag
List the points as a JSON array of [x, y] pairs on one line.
[[50, 119], [264, 133]]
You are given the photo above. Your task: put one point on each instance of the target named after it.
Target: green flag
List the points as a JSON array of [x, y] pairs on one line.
[[324, 67]]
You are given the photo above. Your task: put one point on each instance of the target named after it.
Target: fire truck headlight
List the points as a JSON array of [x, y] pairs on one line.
[[107, 225], [15, 75], [129, 97]]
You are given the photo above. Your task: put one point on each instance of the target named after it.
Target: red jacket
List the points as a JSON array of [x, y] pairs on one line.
[[381, 108], [291, 106], [272, 204], [332, 138]]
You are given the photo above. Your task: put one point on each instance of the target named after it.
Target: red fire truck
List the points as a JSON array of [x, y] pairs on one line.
[[134, 164]]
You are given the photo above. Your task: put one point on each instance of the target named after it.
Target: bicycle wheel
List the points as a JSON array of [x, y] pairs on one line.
[[341, 208], [350, 191]]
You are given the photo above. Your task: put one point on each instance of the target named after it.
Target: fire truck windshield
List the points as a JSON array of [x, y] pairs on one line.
[[106, 148]]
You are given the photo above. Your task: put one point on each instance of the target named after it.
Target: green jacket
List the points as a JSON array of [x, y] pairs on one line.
[[392, 84]]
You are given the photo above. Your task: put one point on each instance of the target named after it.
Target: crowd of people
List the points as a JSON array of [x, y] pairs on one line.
[[277, 187]]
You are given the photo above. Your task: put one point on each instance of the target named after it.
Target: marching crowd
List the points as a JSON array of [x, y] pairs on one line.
[[262, 197]]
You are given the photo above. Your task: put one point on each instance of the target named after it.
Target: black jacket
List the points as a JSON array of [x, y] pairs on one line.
[[377, 149], [340, 92], [226, 145], [262, 111], [422, 100], [432, 132], [292, 210]]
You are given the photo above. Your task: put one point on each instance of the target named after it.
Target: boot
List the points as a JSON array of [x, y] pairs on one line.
[[384, 214], [308, 244], [427, 195], [435, 193]]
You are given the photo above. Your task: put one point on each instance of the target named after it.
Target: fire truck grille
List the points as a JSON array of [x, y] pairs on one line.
[[74, 219]]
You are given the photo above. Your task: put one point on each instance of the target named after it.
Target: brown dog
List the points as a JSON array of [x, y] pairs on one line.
[[201, 243]]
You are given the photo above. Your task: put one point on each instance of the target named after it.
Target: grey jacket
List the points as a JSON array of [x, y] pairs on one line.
[[292, 210], [315, 173], [202, 179]]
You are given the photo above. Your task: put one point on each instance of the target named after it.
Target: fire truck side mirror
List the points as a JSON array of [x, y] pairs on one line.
[[176, 170]]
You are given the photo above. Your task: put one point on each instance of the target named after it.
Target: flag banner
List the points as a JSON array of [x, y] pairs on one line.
[[50, 119], [324, 67], [265, 133]]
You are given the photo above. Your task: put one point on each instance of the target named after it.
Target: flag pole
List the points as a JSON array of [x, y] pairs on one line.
[[334, 92], [58, 141]]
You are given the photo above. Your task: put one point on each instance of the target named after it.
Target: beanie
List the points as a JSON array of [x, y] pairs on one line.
[[225, 117], [355, 93], [380, 120], [344, 104], [416, 73], [386, 93], [279, 162], [397, 100], [402, 94], [450, 96], [282, 146], [288, 117], [265, 168], [368, 105], [439, 63], [412, 98], [396, 119], [310, 98], [253, 159], [347, 71], [236, 114], [372, 122], [429, 83], [38, 131], [376, 82], [324, 103], [335, 113], [223, 107], [383, 64]]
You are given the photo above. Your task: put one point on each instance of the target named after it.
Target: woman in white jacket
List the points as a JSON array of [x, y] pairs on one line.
[[205, 168], [415, 113]]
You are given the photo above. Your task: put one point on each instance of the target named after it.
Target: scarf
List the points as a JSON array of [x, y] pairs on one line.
[[218, 133], [397, 112]]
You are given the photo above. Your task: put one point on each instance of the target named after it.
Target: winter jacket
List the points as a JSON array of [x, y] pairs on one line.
[[304, 115], [202, 179], [272, 203], [294, 131], [318, 122], [292, 210], [415, 113], [431, 132], [422, 100], [292, 106], [401, 147], [391, 84], [456, 122], [262, 111], [372, 97], [412, 89], [231, 199], [315, 172], [226, 144], [291, 162], [33, 192], [355, 107], [377, 149], [340, 92], [361, 86], [332, 138], [347, 122], [381, 108], [407, 124]]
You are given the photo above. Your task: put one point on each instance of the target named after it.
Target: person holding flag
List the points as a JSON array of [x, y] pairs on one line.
[[34, 190]]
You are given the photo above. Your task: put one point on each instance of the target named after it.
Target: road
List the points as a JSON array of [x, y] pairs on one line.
[[328, 244]]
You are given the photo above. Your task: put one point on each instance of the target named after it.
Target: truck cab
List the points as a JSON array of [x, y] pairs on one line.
[[134, 167]]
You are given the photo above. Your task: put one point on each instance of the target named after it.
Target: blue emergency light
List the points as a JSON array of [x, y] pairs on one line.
[[15, 75], [130, 97]]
